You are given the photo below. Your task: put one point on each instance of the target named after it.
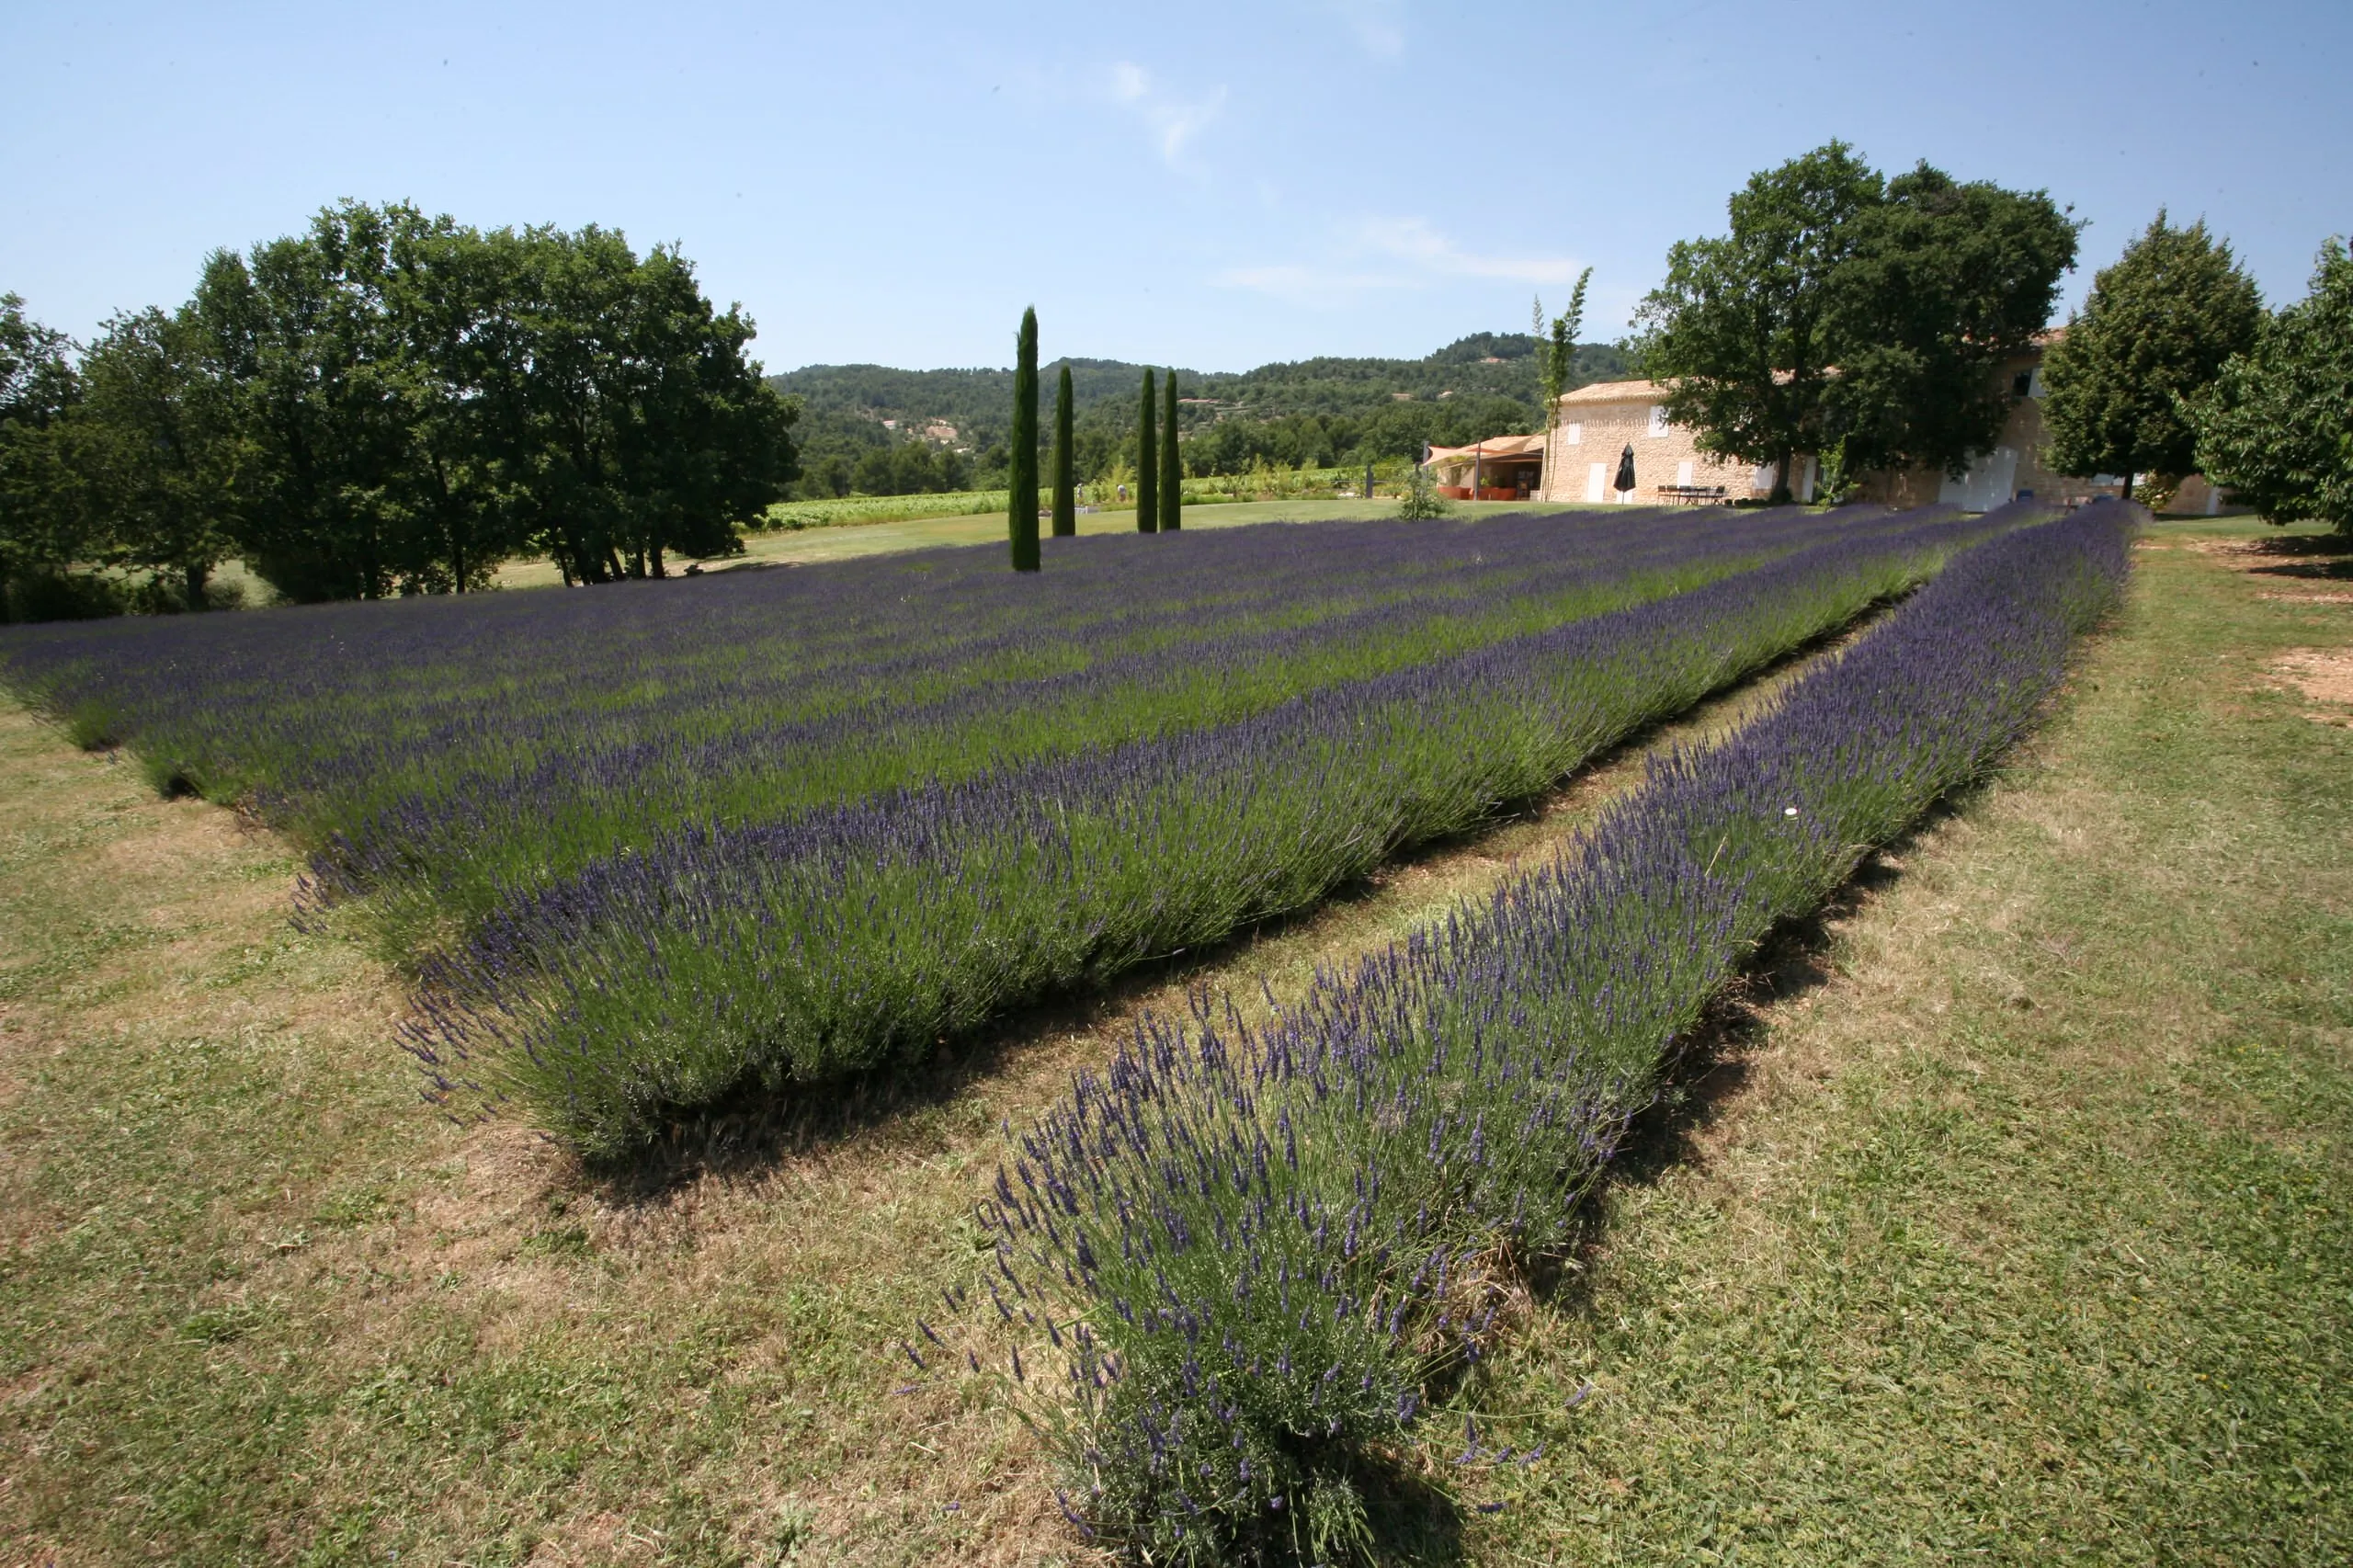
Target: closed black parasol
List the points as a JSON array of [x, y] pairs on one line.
[[1625, 469]]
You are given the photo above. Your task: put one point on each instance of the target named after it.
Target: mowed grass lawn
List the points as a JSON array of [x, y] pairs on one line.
[[2013, 1226]]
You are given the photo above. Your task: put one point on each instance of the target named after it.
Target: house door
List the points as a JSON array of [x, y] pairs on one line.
[[1596, 482]]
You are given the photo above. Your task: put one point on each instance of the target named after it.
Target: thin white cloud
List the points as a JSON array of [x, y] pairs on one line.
[[1378, 25], [1174, 122], [1391, 253], [1306, 285], [1416, 241]]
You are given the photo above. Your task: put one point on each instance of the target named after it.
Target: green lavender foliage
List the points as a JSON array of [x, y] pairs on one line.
[[1147, 464], [1021, 503], [1172, 466], [1066, 482]]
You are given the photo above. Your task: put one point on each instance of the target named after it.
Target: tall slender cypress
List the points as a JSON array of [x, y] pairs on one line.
[[1172, 468], [1065, 489], [1147, 465], [1021, 505]]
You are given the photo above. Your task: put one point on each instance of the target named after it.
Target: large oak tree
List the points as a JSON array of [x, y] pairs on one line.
[[1853, 315]]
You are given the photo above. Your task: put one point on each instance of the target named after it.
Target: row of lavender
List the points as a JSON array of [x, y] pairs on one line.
[[449, 747], [1263, 1244], [769, 953]]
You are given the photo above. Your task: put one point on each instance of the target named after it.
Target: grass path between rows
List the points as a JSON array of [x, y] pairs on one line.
[[2012, 1225]]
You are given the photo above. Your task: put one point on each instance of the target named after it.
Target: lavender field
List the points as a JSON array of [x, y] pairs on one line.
[[646, 846], [472, 744], [1267, 1245]]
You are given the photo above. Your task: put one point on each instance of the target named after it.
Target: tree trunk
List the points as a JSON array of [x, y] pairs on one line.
[[575, 556], [654, 561], [196, 572], [1781, 463], [2124, 487]]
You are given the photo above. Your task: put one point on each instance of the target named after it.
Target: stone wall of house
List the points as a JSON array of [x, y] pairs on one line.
[[1598, 423], [2015, 467], [2199, 497]]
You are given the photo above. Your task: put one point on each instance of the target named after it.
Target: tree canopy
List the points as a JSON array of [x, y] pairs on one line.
[[2278, 426], [159, 450], [427, 399], [2153, 335], [392, 403], [44, 523], [1854, 315]]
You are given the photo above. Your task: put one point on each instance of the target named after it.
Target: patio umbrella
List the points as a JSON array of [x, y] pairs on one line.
[[1625, 469]]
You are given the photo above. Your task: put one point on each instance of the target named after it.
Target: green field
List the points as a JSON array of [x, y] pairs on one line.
[[2009, 1224]]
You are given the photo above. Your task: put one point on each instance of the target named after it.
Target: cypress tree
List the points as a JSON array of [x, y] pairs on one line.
[[1147, 465], [1172, 468], [1065, 490], [1021, 506]]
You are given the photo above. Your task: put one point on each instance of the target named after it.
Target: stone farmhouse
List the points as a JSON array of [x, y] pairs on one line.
[[1579, 460]]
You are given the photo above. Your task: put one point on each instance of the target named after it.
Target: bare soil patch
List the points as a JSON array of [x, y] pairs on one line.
[[2321, 675]]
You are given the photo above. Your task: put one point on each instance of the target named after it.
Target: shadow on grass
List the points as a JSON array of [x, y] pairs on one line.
[[2326, 557]]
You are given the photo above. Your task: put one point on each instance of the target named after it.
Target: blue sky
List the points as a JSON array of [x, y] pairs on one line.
[[1206, 184]]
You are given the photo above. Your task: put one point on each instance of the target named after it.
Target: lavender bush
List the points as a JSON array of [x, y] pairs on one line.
[[1252, 1249], [727, 954]]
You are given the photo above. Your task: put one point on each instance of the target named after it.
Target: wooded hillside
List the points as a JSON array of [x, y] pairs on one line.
[[874, 430]]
